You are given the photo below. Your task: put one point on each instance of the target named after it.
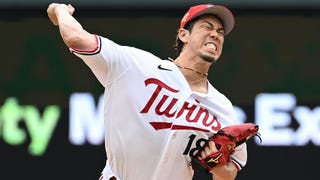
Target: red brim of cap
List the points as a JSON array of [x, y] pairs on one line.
[[224, 14]]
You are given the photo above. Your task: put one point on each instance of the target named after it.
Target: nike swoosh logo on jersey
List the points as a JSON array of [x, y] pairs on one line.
[[162, 68]]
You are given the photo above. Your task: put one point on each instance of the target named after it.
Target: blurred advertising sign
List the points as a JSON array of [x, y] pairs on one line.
[[282, 122]]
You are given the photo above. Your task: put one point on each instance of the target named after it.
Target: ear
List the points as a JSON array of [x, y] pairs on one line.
[[183, 35]]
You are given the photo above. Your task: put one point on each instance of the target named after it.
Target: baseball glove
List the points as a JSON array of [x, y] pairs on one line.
[[226, 140]]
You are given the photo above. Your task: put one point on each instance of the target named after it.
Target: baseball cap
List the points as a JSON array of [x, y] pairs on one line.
[[224, 14]]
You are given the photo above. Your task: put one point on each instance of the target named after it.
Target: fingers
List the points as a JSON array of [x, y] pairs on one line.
[[70, 9], [208, 150], [52, 11]]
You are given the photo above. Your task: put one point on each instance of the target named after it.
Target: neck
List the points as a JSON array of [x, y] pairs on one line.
[[192, 69], [198, 85], [197, 80]]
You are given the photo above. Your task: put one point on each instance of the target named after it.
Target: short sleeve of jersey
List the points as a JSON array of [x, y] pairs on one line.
[[110, 60]]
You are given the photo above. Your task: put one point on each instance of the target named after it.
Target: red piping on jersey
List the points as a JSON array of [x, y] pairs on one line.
[[89, 51], [236, 163]]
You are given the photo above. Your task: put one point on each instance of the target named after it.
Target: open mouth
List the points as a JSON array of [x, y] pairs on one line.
[[211, 46]]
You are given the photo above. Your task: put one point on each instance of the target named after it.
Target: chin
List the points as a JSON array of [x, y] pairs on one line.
[[209, 59]]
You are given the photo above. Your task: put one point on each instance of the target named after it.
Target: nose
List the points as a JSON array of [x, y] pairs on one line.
[[214, 34]]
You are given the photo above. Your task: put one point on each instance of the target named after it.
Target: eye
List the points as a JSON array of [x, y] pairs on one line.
[[206, 26], [221, 31]]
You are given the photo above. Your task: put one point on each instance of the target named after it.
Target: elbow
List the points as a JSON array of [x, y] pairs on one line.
[[73, 41], [81, 41]]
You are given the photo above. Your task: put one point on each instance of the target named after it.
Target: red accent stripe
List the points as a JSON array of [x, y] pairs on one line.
[[238, 166], [164, 125], [160, 125], [180, 127], [88, 51]]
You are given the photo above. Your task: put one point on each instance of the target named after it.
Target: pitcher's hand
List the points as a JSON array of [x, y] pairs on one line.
[[52, 11]]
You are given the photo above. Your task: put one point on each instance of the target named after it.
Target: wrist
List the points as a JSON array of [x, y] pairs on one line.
[[225, 172]]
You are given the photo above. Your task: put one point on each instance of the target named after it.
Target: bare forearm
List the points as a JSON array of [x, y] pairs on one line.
[[68, 25], [70, 29], [225, 172]]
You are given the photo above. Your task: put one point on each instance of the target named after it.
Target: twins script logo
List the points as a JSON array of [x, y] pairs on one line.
[[194, 113]]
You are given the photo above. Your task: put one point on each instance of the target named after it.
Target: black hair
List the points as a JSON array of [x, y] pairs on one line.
[[178, 46]]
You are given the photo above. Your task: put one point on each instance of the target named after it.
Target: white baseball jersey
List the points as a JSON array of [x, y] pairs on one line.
[[153, 120]]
